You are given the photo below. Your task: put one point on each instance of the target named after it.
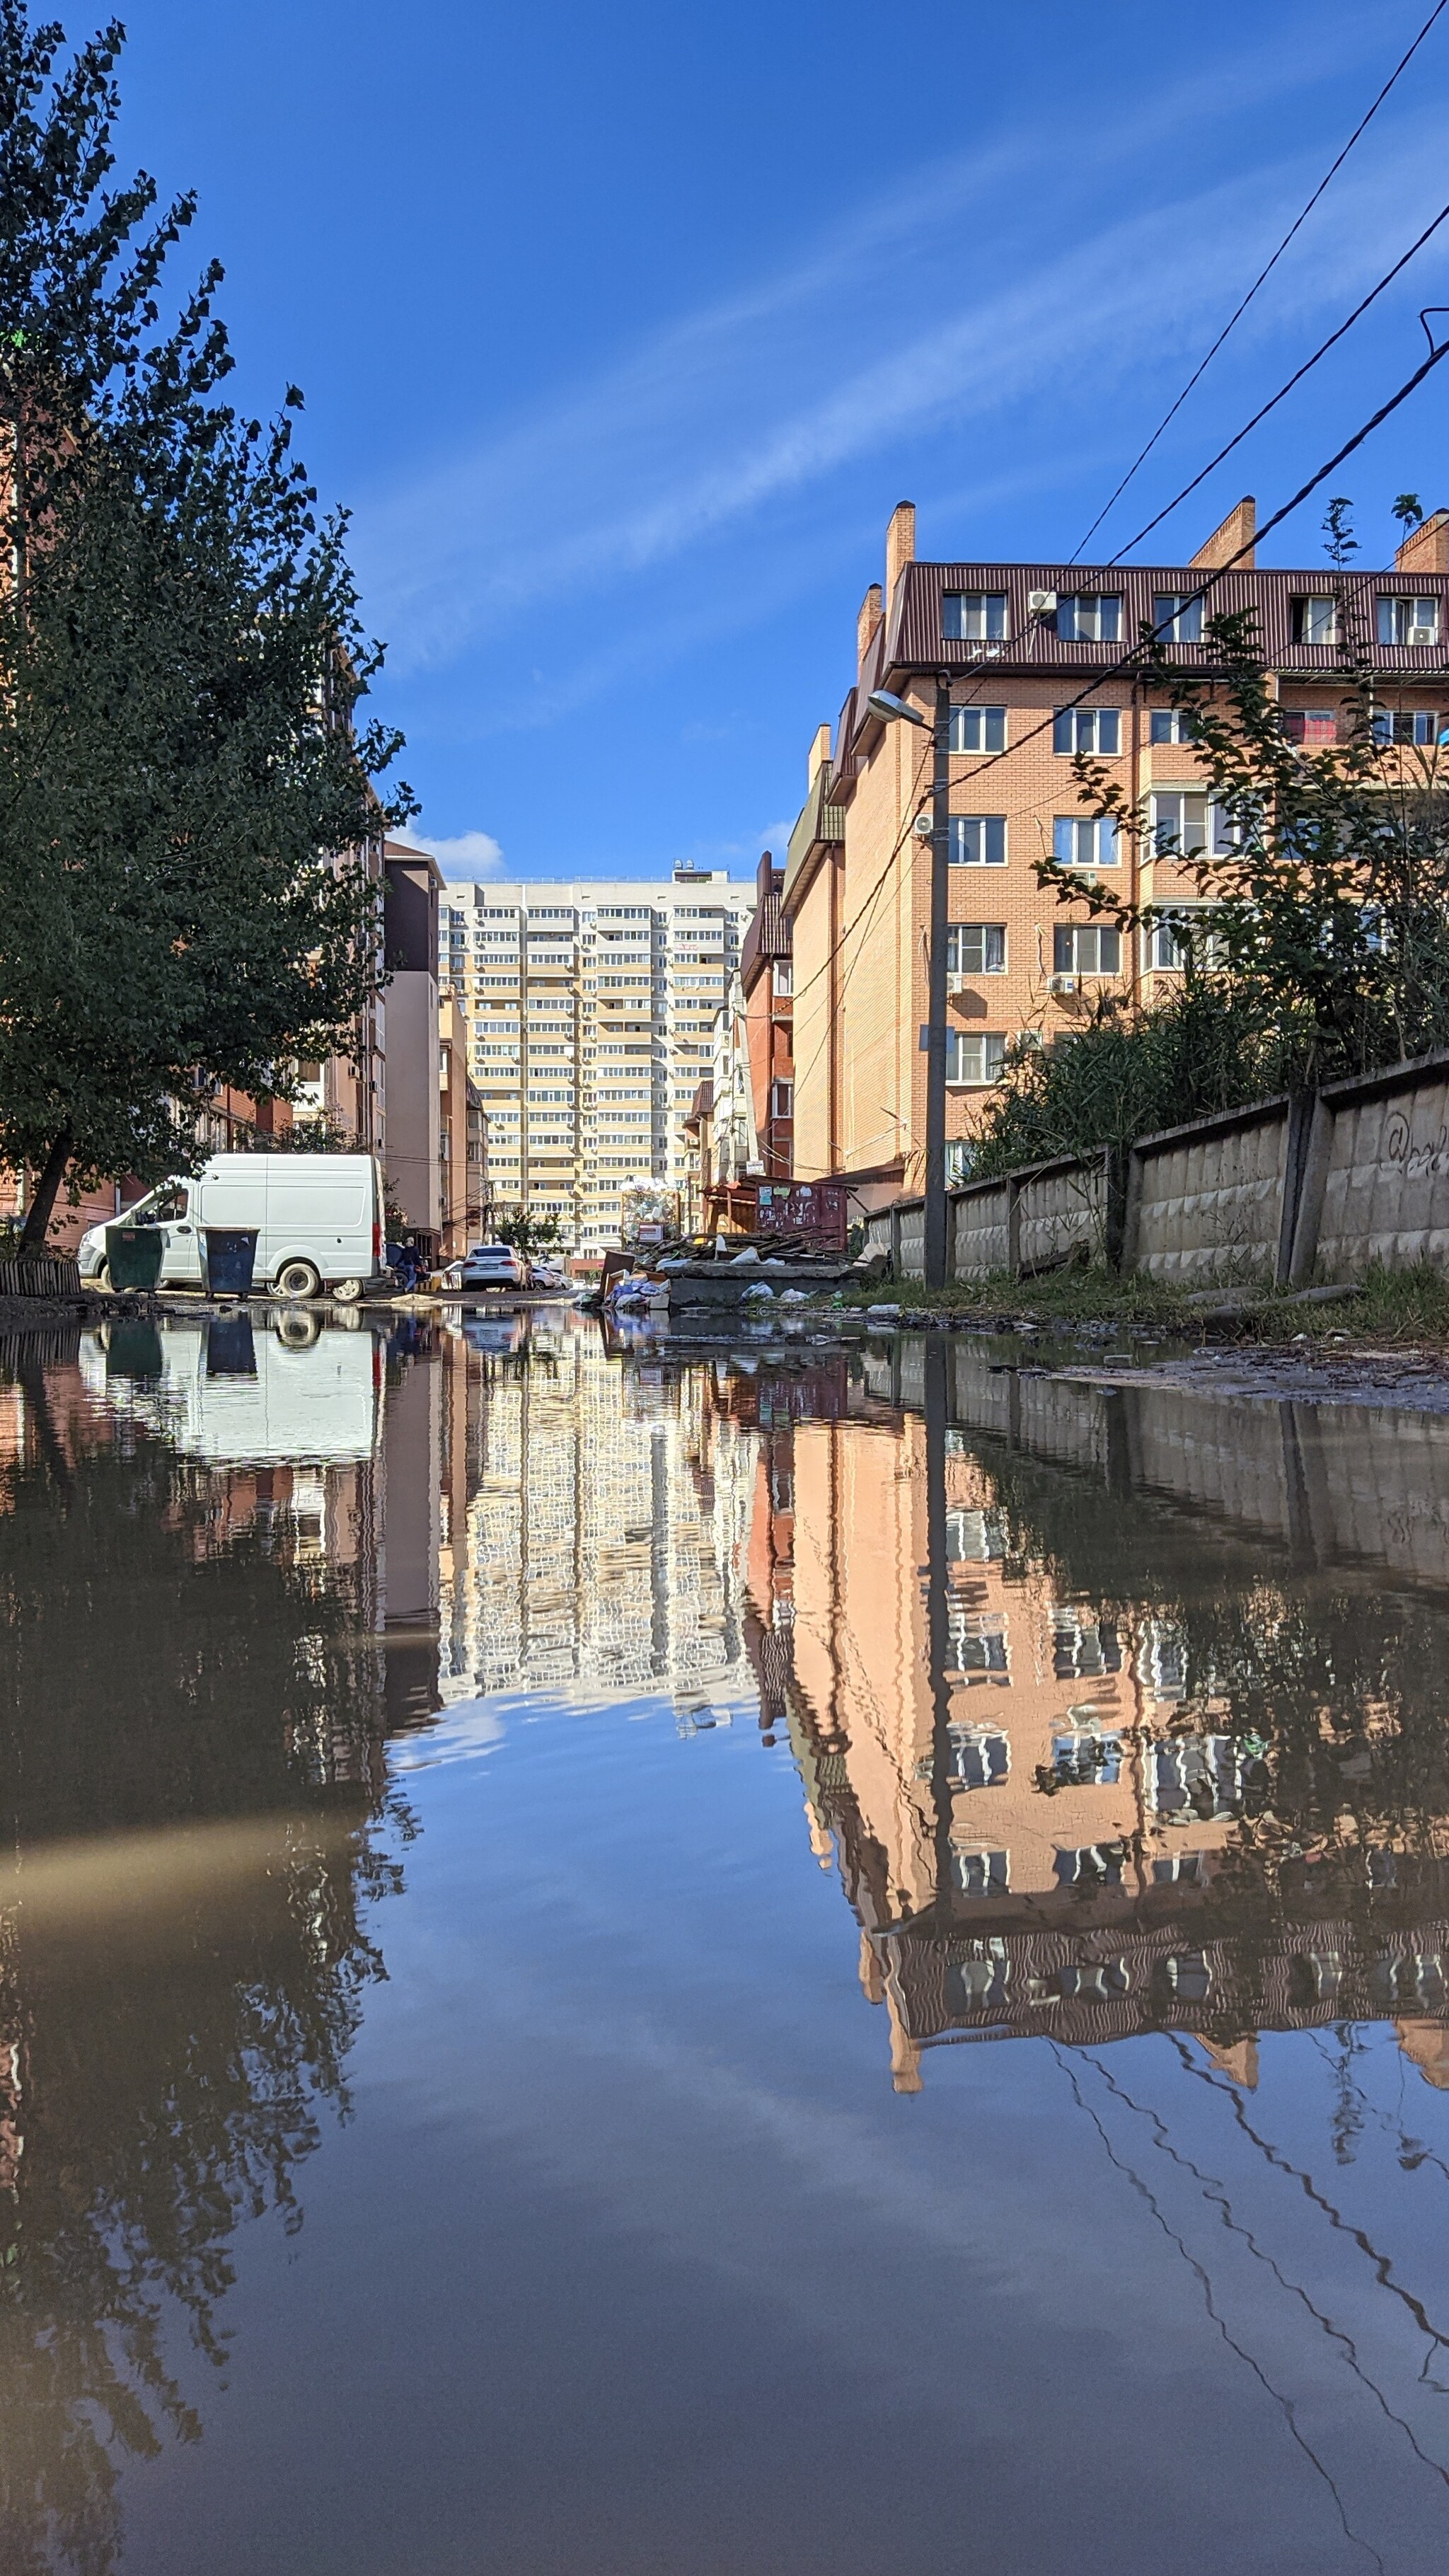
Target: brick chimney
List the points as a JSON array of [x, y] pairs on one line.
[[872, 615], [900, 546], [1426, 548], [1237, 530], [819, 753]]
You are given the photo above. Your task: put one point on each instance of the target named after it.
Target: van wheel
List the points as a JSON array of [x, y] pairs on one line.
[[297, 1279], [102, 1279], [347, 1291]]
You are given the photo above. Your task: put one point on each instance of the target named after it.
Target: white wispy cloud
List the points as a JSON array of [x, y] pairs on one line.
[[463, 856], [720, 426]]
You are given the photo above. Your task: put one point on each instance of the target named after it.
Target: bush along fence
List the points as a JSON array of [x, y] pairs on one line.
[[1294, 1191]]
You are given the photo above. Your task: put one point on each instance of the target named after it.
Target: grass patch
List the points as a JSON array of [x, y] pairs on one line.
[[1391, 1306]]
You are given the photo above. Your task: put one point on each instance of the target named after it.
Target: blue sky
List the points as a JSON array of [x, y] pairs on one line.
[[622, 330]]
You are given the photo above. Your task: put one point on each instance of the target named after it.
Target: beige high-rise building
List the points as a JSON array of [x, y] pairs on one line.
[[590, 1005]]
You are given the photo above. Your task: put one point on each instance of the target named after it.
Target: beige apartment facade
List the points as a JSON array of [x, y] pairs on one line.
[[1036, 658], [590, 1008]]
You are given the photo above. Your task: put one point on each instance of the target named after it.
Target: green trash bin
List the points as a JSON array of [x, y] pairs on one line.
[[134, 1254]]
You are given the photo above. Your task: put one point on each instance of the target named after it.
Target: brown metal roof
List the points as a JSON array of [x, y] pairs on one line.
[[914, 636], [768, 935]]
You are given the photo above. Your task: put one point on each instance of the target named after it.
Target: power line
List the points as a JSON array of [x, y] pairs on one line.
[[1125, 661], [1261, 279], [1295, 379]]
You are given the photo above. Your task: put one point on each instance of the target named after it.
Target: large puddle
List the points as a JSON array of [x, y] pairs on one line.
[[786, 1960]]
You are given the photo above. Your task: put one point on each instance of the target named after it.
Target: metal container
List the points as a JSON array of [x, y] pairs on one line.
[[134, 1254], [229, 1256]]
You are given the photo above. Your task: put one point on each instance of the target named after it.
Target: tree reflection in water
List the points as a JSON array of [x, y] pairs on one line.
[[192, 1792]]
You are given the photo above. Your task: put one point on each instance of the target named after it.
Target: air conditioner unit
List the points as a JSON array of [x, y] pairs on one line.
[[1062, 984], [1042, 603], [1422, 635], [923, 827], [955, 984]]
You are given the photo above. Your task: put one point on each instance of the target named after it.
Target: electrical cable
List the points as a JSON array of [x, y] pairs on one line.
[[1125, 661], [1295, 379], [1263, 275]]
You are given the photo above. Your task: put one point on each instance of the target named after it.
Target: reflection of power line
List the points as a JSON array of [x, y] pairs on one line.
[[1382, 2263], [1204, 2280], [1391, 2127], [1216, 2191]]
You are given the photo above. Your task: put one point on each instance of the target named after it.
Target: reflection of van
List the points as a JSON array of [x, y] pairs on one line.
[[260, 1400], [318, 1219]]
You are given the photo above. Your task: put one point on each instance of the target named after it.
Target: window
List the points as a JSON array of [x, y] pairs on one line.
[[1170, 724], [973, 1058], [1085, 1761], [1309, 724], [976, 948], [978, 728], [1177, 616], [1083, 1647], [1090, 1865], [1089, 617], [978, 1760], [1187, 825], [982, 1873], [1167, 938], [782, 1099], [1080, 841], [1097, 729], [958, 1161], [978, 841], [1408, 621], [1086, 948], [973, 616], [1313, 621], [1417, 725], [783, 979]]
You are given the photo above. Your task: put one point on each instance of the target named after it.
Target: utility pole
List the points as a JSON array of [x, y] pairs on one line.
[[936, 1211]]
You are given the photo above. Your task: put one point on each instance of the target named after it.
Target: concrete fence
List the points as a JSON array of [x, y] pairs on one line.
[[1286, 1190]]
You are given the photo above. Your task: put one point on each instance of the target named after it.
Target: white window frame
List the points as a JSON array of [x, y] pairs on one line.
[[1401, 607], [990, 829], [1090, 836], [1160, 927], [987, 724], [1178, 722], [1300, 605], [1217, 833], [1085, 936], [1177, 616], [957, 1043], [956, 933], [1083, 728], [1089, 617], [974, 616]]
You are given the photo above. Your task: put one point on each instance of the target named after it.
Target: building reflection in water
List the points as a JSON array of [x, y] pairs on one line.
[[1120, 1710], [1117, 1712], [199, 1552]]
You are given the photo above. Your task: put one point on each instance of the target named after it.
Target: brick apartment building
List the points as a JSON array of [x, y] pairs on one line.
[[1020, 642]]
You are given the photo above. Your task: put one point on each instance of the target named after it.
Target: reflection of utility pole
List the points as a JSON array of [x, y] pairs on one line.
[[938, 1622]]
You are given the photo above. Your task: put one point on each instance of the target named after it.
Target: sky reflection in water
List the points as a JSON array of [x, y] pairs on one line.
[[847, 1971]]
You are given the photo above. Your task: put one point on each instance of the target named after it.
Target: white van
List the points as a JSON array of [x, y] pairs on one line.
[[318, 1219]]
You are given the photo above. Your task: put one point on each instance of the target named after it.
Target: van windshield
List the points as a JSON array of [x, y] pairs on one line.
[[161, 1207]]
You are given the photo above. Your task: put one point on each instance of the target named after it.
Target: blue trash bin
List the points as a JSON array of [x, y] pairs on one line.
[[229, 1255]]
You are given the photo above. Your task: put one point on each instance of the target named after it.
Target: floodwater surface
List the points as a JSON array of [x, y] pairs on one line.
[[734, 1962]]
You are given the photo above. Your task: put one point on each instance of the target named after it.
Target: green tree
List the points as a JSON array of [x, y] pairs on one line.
[[181, 775], [526, 1232], [1326, 866]]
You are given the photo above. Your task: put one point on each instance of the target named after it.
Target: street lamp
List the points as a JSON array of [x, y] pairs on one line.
[[894, 710]]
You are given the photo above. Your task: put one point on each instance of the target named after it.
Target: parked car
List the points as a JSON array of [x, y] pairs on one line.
[[492, 1265], [546, 1274], [318, 1219]]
